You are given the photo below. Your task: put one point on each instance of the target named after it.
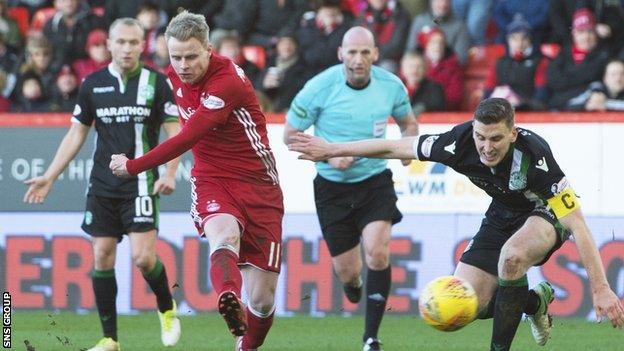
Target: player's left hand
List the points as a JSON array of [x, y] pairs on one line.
[[164, 185], [118, 165], [311, 147], [608, 305]]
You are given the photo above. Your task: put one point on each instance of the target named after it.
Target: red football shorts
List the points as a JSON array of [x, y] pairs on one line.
[[258, 208]]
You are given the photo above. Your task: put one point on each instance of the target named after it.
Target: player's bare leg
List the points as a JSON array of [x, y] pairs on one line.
[[376, 243], [348, 269], [105, 290], [260, 287], [223, 234], [484, 285], [144, 258]]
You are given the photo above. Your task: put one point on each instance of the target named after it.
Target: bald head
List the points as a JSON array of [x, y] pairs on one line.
[[358, 53], [358, 36]]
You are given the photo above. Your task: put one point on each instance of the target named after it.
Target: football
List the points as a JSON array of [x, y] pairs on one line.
[[448, 303]]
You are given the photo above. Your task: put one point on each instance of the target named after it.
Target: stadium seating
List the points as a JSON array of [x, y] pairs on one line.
[[20, 15], [255, 54], [40, 18], [480, 61]]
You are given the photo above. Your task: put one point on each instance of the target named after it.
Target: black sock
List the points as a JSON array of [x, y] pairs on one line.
[[105, 289], [533, 303], [510, 301], [377, 290], [157, 280]]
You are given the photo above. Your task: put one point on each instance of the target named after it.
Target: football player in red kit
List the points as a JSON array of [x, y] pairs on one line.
[[237, 203]]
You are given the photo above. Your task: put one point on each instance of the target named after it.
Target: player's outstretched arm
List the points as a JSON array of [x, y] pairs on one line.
[[39, 187], [606, 302], [316, 149]]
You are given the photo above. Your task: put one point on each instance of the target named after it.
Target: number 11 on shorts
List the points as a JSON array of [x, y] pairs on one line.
[[274, 254]]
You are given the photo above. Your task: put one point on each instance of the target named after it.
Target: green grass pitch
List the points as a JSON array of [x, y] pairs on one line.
[[48, 331]]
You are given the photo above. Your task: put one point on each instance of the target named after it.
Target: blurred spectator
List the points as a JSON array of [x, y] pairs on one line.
[[476, 15], [68, 30], [230, 47], [65, 91], [99, 56], [38, 62], [320, 35], [560, 14], [9, 64], [443, 66], [31, 97], [390, 23], [520, 75], [454, 29], [159, 60], [284, 75], [533, 11], [237, 16], [425, 95], [605, 95], [9, 29], [114, 9], [273, 16], [5, 103], [208, 8], [577, 65], [415, 7], [149, 17], [610, 23], [31, 5]]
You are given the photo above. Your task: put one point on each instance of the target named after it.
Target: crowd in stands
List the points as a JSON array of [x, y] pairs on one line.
[[541, 55]]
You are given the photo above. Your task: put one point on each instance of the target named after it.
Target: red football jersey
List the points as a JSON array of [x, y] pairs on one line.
[[223, 125]]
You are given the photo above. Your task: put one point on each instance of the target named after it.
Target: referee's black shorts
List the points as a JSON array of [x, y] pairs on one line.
[[344, 209]]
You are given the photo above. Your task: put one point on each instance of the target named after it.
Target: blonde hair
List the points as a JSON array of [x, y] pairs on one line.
[[186, 25], [126, 21]]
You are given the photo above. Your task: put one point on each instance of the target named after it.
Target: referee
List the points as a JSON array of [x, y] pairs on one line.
[[127, 103], [355, 197]]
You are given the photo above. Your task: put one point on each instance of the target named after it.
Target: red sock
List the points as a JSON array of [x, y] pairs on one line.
[[258, 330], [224, 272]]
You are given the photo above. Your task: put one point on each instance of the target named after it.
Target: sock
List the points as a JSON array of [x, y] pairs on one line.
[[377, 290], [258, 329], [511, 298], [105, 289], [157, 280], [533, 303], [224, 272]]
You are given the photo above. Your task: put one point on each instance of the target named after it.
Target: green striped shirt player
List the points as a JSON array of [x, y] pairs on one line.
[[127, 115]]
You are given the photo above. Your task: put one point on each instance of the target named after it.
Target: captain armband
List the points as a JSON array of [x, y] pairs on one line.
[[564, 203]]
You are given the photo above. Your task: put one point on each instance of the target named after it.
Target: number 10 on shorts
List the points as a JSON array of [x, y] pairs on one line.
[[274, 254]]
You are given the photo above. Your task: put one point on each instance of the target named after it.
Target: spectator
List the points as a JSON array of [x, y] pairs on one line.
[[207, 8], [520, 75], [149, 17], [454, 29], [5, 103], [31, 97], [237, 16], [31, 5], [230, 47], [390, 23], [65, 91], [605, 95], [424, 94], [284, 75], [610, 23], [560, 14], [9, 29], [577, 65], [99, 56], [476, 15], [273, 16], [38, 62], [9, 64], [443, 65], [533, 11], [415, 7], [114, 9], [68, 30], [159, 60], [320, 34]]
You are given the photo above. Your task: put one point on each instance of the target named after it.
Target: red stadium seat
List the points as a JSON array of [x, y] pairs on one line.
[[40, 18], [550, 50], [255, 54], [20, 15], [482, 58]]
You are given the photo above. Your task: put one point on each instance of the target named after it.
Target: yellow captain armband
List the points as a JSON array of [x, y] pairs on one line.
[[564, 203]]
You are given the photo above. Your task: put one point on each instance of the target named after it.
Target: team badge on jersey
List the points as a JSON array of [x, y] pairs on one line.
[[213, 206], [212, 102], [146, 92]]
